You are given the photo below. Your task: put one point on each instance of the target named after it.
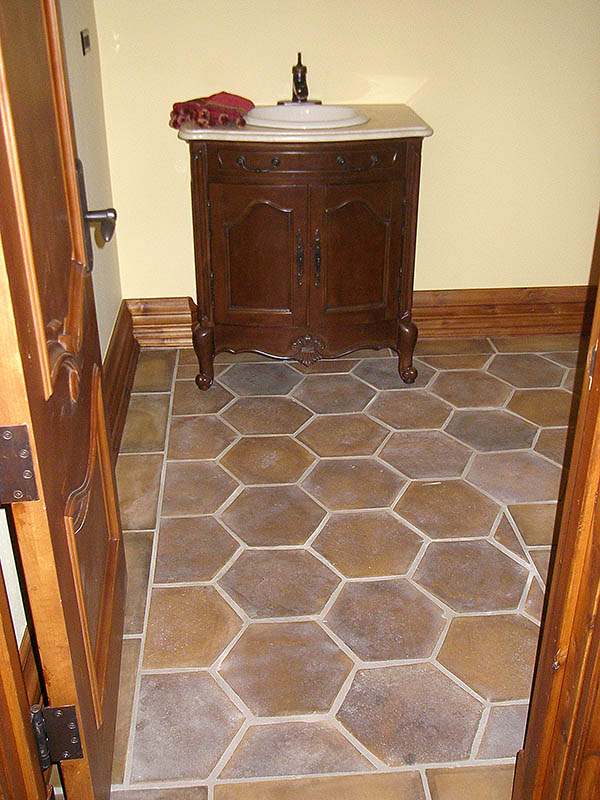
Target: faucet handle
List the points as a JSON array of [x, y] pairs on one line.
[[299, 85]]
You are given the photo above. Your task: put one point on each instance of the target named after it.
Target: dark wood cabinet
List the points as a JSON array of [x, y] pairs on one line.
[[305, 251]]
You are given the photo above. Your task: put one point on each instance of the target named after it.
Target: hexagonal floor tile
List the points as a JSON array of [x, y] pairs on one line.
[[286, 668], [189, 399], [552, 443], [535, 522], [343, 435], [188, 626], [426, 454], [448, 509], [490, 782], [333, 394], [416, 409], [471, 576], [505, 535], [198, 437], [191, 549], [544, 407], [526, 370], [470, 389], [367, 544], [536, 343], [411, 714], [279, 583], [353, 483], [491, 430], [383, 373], [515, 477], [260, 379], [494, 655], [372, 619], [452, 346], [267, 459], [504, 732], [273, 515], [181, 496], [266, 415]]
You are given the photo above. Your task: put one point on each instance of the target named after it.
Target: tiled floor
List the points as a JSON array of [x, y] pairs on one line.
[[335, 580]]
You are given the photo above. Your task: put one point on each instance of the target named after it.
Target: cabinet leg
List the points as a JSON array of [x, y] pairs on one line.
[[204, 345], [407, 339]]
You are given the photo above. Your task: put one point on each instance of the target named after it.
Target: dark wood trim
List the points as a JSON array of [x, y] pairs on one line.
[[167, 321], [118, 372]]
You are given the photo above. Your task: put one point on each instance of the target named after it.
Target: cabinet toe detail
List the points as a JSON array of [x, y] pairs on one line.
[[308, 349]]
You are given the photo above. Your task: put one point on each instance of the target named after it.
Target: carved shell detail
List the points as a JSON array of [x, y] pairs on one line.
[[307, 349]]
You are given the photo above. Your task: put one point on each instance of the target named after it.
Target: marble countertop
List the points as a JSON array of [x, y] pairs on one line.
[[393, 121]]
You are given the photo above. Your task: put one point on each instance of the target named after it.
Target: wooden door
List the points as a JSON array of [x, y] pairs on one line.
[[258, 241], [356, 240], [69, 539]]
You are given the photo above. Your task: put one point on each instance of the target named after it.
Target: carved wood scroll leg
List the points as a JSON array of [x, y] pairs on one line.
[[204, 345], [407, 339]]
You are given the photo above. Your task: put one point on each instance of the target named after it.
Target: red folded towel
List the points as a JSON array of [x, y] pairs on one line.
[[221, 108]]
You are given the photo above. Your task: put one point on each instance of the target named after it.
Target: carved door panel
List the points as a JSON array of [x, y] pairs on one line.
[[356, 241], [69, 539], [258, 237]]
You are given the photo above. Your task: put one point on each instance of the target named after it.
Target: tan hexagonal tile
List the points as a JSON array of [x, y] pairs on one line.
[[504, 732], [404, 410], [260, 379], [353, 483], [154, 371], [383, 374], [471, 783], [535, 522], [191, 549], [273, 515], [189, 399], [544, 407], [328, 394], [188, 626], [382, 785], [515, 477], [552, 443], [146, 424], [506, 536], [453, 346], [494, 654], [491, 429], [343, 435], [426, 454], [266, 415], [471, 576], [286, 668], [457, 361], [526, 370], [267, 459], [372, 619], [279, 583], [411, 714], [367, 544], [447, 509], [181, 496], [470, 389], [198, 437], [536, 343]]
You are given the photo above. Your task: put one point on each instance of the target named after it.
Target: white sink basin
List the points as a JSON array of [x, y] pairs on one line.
[[304, 116]]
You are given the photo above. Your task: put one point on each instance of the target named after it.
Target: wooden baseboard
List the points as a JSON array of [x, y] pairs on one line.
[[119, 370], [167, 321]]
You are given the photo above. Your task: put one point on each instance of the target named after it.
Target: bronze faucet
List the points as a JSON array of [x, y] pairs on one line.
[[299, 85]]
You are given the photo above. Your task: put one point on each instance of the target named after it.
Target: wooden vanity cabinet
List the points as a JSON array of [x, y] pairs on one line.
[[304, 251]]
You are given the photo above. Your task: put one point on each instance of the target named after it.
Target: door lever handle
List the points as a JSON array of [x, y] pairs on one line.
[[107, 217]]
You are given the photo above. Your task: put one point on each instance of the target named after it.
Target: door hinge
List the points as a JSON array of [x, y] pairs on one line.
[[17, 477], [56, 732]]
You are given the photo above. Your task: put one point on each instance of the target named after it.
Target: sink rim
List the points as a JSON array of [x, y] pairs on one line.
[[275, 116]]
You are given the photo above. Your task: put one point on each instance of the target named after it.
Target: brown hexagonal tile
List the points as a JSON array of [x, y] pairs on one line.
[[381, 785], [453, 346], [544, 407], [260, 379], [266, 415], [333, 394], [411, 714], [504, 732], [382, 373], [326, 366], [343, 435], [154, 371], [541, 559], [535, 522], [189, 399], [494, 654], [367, 544], [267, 459], [491, 430], [201, 721], [146, 424], [534, 602], [138, 482], [458, 361], [203, 436], [279, 583], [181, 496], [286, 668], [371, 618], [552, 443], [188, 626], [404, 410], [505, 535], [470, 389], [515, 477], [426, 454], [536, 343], [448, 509], [191, 549], [471, 576], [471, 783], [353, 483], [293, 748], [526, 370], [273, 515]]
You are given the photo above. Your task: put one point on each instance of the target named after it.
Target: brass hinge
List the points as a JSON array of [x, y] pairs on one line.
[[56, 732], [17, 477]]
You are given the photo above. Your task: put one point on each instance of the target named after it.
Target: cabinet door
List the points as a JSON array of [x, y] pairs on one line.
[[258, 238], [356, 250]]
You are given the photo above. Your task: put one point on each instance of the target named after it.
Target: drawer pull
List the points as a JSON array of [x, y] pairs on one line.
[[241, 162], [343, 162], [299, 257], [317, 258]]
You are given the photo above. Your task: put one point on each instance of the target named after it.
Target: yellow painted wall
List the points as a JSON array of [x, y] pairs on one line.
[[511, 177]]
